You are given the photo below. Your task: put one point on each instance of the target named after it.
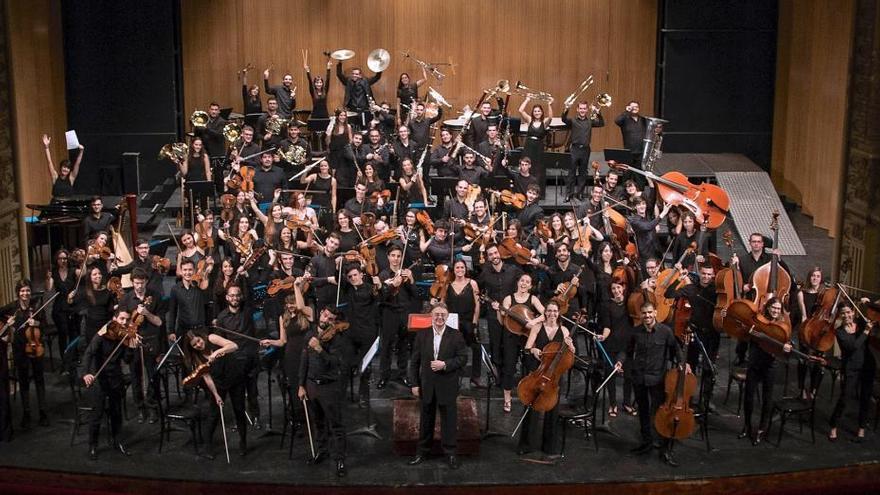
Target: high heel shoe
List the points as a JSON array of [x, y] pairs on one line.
[[507, 406]]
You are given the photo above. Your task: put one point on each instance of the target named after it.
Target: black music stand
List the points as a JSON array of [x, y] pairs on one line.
[[318, 127], [619, 155], [198, 190]]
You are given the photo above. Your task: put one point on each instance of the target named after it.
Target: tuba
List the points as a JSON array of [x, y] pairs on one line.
[[652, 143], [173, 152], [199, 118], [232, 131]]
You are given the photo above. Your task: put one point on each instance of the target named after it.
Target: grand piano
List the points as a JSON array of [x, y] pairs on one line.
[[60, 223]]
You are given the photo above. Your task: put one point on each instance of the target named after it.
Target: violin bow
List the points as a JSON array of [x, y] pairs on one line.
[[305, 401], [233, 332], [592, 334], [225, 441], [854, 305]]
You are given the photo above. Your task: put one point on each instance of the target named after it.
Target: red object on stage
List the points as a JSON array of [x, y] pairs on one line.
[[418, 321]]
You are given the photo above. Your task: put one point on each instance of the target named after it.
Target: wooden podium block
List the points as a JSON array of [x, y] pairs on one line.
[[405, 429]]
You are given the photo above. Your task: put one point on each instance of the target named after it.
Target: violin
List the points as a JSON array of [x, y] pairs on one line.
[[443, 276], [675, 418], [514, 319], [78, 256], [471, 196], [817, 332], [509, 248], [254, 256], [543, 231], [241, 244], [368, 253], [769, 280], [385, 194], [33, 337], [395, 290], [566, 294], [706, 201], [103, 252], [227, 201], [510, 198], [368, 224], [205, 241], [161, 264], [114, 285], [280, 284], [296, 223], [247, 178], [199, 274], [330, 331], [200, 371], [539, 390], [425, 221], [375, 240]]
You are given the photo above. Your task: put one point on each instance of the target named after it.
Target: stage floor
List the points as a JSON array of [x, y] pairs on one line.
[[371, 462]]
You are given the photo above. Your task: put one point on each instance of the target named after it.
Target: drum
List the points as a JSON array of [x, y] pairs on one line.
[[454, 124]]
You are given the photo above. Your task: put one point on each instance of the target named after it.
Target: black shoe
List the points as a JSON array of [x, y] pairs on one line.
[[93, 453], [452, 461], [340, 468], [152, 417], [44, 419], [242, 449], [415, 461], [381, 384], [207, 455], [744, 434], [257, 424], [318, 459], [26, 421], [523, 451], [759, 437], [141, 417], [644, 448], [121, 448], [667, 458], [407, 383]]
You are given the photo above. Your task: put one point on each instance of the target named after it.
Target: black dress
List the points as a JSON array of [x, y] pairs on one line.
[[338, 158], [97, 312], [534, 149], [406, 95], [293, 353], [347, 241], [62, 188], [325, 185], [319, 100], [548, 436], [464, 305]]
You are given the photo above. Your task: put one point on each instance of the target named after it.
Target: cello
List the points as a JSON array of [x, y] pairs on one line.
[[769, 280], [707, 202], [443, 276], [539, 390], [675, 417], [666, 279], [514, 319], [817, 332], [728, 286]]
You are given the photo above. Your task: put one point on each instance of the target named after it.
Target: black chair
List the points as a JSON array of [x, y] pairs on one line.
[[789, 406], [579, 417], [188, 414], [736, 374]]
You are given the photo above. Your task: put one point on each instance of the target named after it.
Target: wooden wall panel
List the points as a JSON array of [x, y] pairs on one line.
[[37, 81], [809, 140], [550, 46]]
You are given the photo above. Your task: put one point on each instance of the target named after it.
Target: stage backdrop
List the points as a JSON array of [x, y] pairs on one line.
[[550, 46]]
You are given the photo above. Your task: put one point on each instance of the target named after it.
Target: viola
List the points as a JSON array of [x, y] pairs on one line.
[[247, 178], [33, 337], [114, 285], [227, 201], [510, 198], [728, 286], [566, 294], [543, 231], [199, 274], [425, 221], [395, 290], [706, 201], [385, 194], [103, 252], [509, 248], [255, 256], [161, 264], [192, 378], [817, 332], [137, 319], [375, 240], [368, 224], [443, 276], [280, 284], [296, 223], [675, 418], [368, 253], [471, 196], [78, 256], [771, 280], [206, 241], [539, 390]]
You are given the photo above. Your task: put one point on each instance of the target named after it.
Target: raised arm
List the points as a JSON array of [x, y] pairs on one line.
[[52, 172], [522, 111], [74, 172]]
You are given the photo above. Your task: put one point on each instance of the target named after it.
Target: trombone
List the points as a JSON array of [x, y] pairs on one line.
[[431, 67], [572, 98], [524, 90]]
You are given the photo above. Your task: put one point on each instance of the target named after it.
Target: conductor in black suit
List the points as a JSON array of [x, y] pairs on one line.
[[438, 358]]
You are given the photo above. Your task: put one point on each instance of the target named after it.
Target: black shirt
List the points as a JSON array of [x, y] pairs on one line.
[[498, 284], [633, 131], [92, 225], [648, 352], [615, 317], [286, 102], [242, 322], [328, 366], [702, 301], [582, 129], [186, 307], [266, 181]]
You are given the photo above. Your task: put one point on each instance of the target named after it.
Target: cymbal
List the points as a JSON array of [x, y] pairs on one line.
[[342, 54], [378, 60]]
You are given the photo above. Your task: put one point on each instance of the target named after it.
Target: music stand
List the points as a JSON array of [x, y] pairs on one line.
[[619, 155], [225, 112], [196, 190], [318, 127]]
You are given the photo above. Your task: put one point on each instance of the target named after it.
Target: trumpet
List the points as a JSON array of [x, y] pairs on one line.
[[232, 132], [584, 85], [531, 93], [199, 118], [602, 100], [174, 152]]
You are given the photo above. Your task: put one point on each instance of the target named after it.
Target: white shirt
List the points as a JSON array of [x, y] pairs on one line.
[[438, 336]]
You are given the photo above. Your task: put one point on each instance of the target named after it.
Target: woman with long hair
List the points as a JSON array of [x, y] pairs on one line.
[[189, 249], [348, 237], [324, 185], [96, 300], [340, 155], [463, 298], [62, 277], [407, 94], [253, 105], [859, 370], [64, 179], [538, 127], [512, 344], [807, 297], [318, 89]]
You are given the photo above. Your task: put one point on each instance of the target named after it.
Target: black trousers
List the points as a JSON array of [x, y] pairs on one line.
[[28, 368], [612, 385], [579, 169], [511, 351], [361, 339], [764, 377], [811, 369], [67, 328], [5, 405], [469, 332], [251, 373], [448, 425], [152, 384], [394, 336], [711, 341], [235, 393], [648, 399], [325, 405], [114, 396], [855, 385]]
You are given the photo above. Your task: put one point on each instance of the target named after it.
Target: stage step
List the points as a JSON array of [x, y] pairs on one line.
[[752, 199]]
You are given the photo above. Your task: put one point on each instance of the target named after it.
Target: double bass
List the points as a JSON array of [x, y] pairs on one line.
[[769, 279], [675, 417]]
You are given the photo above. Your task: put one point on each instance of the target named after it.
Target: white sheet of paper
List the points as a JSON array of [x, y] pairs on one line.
[[72, 141]]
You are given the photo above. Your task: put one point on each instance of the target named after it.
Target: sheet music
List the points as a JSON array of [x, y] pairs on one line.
[[72, 140]]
